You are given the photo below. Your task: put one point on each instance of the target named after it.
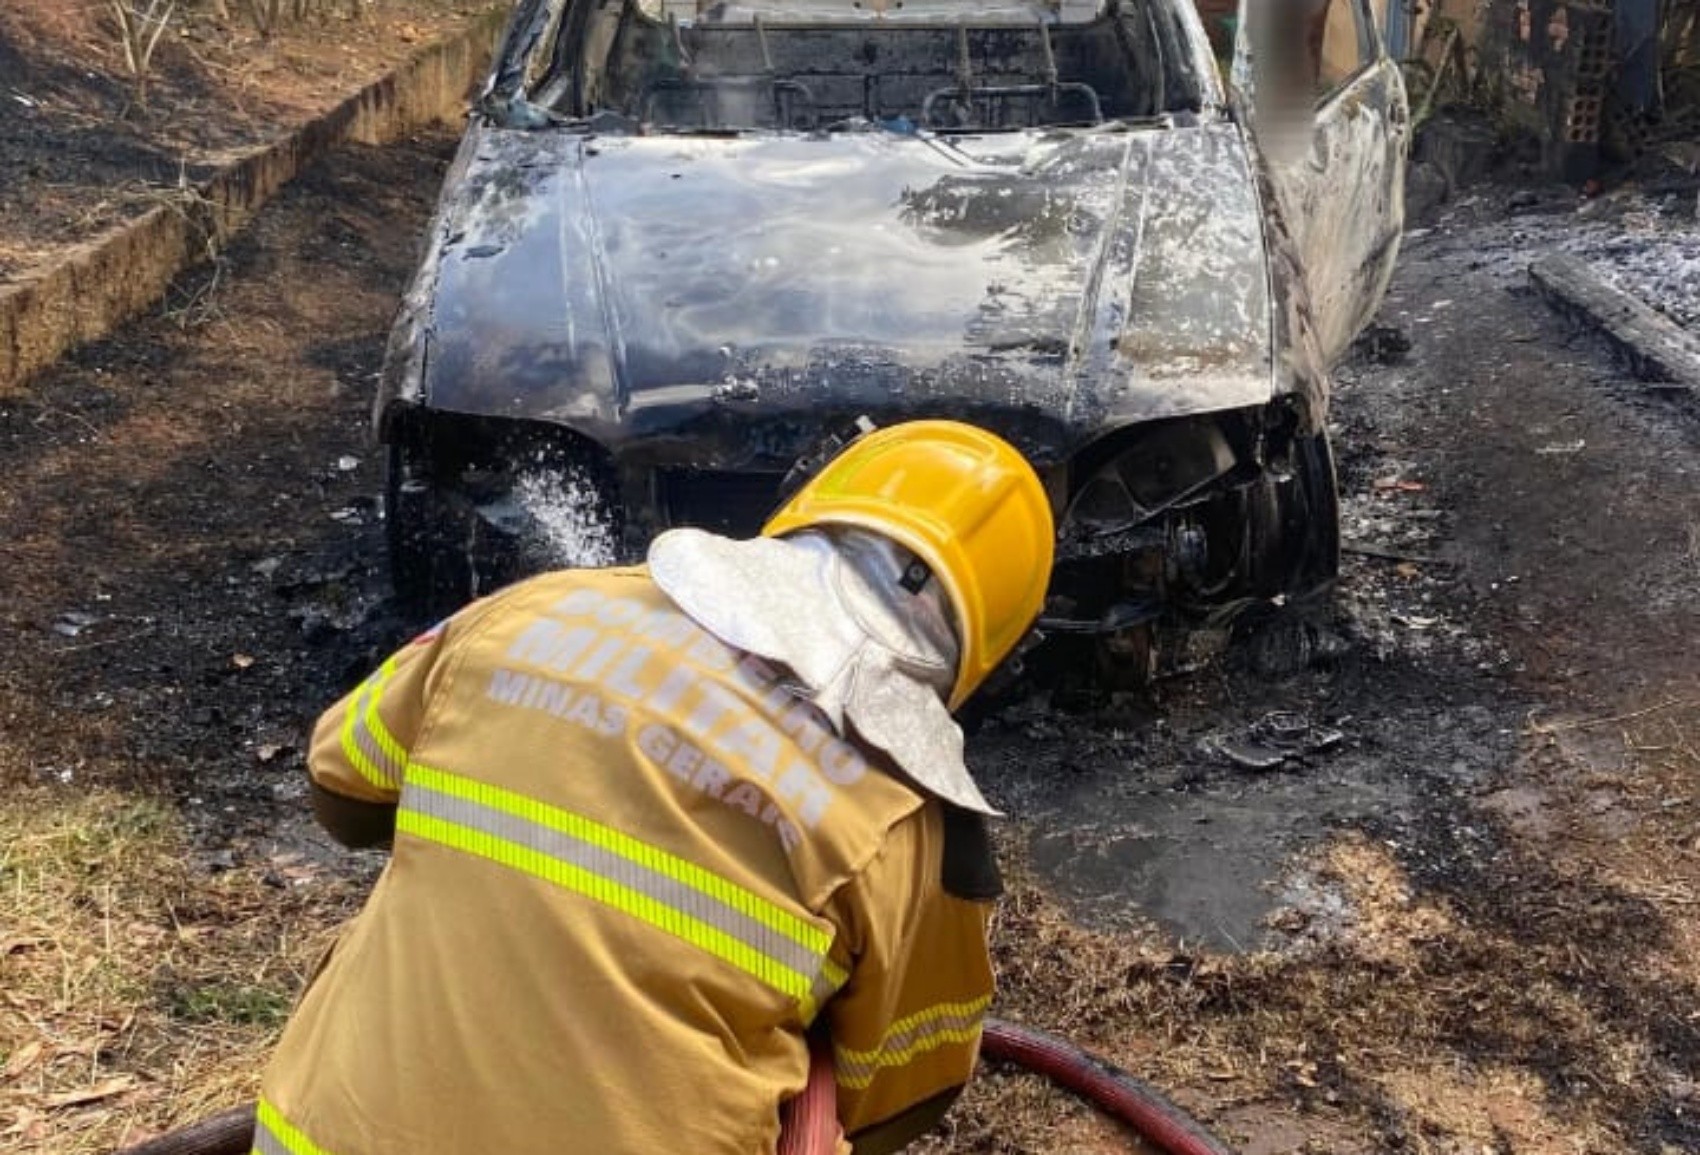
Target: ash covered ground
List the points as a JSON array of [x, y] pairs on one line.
[[1454, 910]]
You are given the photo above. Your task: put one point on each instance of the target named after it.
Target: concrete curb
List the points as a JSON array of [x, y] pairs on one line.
[[1656, 348], [101, 283]]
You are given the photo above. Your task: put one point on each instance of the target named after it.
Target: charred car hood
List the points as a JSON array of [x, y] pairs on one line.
[[1054, 285]]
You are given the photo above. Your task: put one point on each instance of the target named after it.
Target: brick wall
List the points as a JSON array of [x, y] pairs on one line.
[[1549, 67]]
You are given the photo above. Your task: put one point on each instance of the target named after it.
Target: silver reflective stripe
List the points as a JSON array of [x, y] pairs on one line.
[[633, 881], [827, 983], [275, 1135], [265, 1143], [389, 768], [910, 1038]]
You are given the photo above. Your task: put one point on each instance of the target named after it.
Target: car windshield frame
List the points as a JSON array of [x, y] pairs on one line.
[[945, 67], [863, 12]]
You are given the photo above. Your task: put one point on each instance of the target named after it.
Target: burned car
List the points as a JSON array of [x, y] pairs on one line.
[[682, 244]]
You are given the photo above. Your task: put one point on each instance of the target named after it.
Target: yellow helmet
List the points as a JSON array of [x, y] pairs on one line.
[[962, 500]]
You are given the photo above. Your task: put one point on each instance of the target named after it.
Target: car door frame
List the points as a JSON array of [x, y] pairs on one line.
[[1341, 191]]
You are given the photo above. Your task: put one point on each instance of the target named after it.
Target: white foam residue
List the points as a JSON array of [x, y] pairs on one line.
[[569, 512]]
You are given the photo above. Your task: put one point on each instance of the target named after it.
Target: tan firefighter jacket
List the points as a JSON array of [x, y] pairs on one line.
[[630, 870]]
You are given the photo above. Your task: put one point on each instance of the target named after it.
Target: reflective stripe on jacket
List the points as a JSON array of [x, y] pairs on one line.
[[630, 870]]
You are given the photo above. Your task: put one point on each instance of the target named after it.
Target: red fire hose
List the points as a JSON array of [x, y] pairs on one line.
[[810, 1120], [1109, 1088], [227, 1133], [809, 1123]]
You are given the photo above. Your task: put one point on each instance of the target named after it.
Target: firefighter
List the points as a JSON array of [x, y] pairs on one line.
[[656, 829]]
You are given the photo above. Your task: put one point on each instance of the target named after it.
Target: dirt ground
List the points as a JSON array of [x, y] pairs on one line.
[[1468, 924], [85, 143]]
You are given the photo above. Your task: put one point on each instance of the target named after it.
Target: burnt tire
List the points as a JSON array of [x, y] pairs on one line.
[[431, 569], [1293, 525]]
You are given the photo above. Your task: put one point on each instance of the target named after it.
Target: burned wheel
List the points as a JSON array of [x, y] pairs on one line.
[[1293, 524], [467, 515], [432, 571]]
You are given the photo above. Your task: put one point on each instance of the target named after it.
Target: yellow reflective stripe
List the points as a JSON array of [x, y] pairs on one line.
[[600, 888], [386, 741], [366, 742], [579, 854], [351, 748], [911, 1037], [798, 930], [275, 1135]]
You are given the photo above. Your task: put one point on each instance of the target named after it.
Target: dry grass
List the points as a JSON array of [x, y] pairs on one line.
[[140, 991], [1543, 1004]]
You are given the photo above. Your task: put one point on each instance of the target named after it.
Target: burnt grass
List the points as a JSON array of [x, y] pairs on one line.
[[1544, 915], [1528, 923], [193, 575], [68, 129], [84, 146]]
